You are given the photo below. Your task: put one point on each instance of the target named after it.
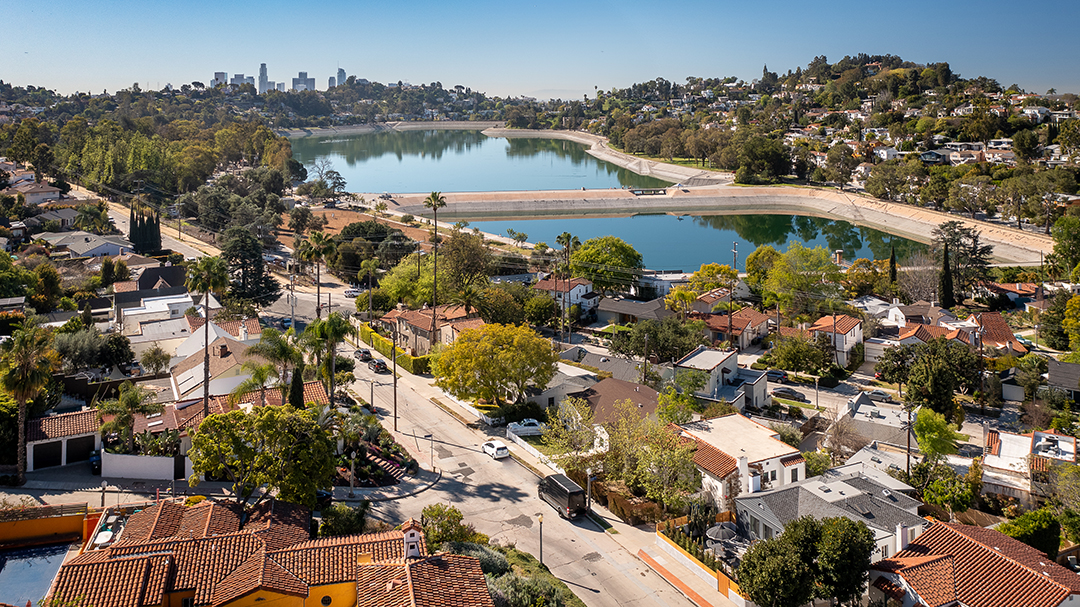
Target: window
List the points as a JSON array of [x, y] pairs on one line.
[[187, 602], [772, 475], [794, 475], [551, 401], [884, 552], [326, 600]]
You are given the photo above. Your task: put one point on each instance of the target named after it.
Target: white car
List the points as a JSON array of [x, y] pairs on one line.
[[352, 293], [496, 449]]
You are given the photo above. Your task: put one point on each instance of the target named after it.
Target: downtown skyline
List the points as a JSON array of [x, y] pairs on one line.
[[565, 50]]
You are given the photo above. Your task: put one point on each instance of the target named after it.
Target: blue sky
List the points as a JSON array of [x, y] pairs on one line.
[[559, 48]]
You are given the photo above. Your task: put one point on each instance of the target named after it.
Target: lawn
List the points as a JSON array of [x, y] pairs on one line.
[[537, 443]]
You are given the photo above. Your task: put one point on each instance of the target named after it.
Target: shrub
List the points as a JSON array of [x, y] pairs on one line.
[[491, 562], [1039, 529]]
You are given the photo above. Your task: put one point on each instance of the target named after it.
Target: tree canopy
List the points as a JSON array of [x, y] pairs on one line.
[[609, 262], [496, 362]]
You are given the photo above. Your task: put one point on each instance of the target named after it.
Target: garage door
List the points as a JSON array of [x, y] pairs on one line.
[[78, 449], [46, 455]]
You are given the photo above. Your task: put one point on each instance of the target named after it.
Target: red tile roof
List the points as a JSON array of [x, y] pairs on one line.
[[793, 332], [844, 324], [441, 580], [257, 573], [125, 286], [993, 442], [792, 460], [559, 285], [232, 327], [996, 332], [713, 460], [711, 297], [890, 589], [928, 333], [64, 425], [984, 567]]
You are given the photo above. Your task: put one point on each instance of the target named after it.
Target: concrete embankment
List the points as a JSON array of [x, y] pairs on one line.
[[1010, 245]]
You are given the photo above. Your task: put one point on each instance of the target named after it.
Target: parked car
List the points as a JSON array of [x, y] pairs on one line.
[[566, 496], [788, 393], [527, 427], [1025, 341], [323, 499], [362, 355], [496, 449], [95, 462], [378, 366], [880, 395], [776, 375], [352, 293]]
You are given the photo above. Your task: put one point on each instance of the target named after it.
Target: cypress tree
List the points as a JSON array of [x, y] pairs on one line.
[[892, 265], [945, 283], [137, 234], [157, 232], [296, 387], [87, 316]]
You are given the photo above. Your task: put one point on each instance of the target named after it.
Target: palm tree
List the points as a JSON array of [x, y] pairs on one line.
[[368, 268], [263, 376], [93, 218], [569, 243], [208, 274], [319, 247], [25, 368], [280, 349], [469, 297], [435, 201], [324, 336], [132, 399]]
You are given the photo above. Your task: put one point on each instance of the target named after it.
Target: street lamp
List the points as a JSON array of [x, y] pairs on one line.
[[541, 517], [431, 444], [103, 485], [352, 471]]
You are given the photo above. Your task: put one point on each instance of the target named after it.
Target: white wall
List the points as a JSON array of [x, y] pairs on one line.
[[136, 466]]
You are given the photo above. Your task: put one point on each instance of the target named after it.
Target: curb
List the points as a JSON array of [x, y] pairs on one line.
[[675, 582], [421, 489]]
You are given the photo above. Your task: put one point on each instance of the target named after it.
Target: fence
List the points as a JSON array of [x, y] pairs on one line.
[[114, 465], [533, 451], [724, 585], [42, 524]]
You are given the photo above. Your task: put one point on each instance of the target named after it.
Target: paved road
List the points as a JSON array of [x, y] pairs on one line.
[[188, 247], [499, 499]]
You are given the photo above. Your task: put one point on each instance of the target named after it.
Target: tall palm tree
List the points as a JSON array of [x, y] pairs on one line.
[[320, 246], [263, 376], [569, 243], [469, 297], [280, 350], [325, 335], [368, 268], [25, 368], [208, 274], [132, 399], [435, 201]]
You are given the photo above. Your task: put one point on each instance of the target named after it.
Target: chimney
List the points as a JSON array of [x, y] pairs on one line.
[[744, 473], [901, 537], [243, 330], [223, 351], [412, 532]]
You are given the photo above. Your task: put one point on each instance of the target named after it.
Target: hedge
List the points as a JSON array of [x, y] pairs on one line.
[[416, 365]]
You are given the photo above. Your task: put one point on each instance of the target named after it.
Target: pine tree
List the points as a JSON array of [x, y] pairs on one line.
[[296, 388], [892, 265], [945, 282]]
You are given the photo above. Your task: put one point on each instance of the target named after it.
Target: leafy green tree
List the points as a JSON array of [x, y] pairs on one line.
[[251, 280], [155, 359], [972, 194], [467, 261], [368, 267], [26, 366], [1039, 529], [759, 264], [499, 306], [1066, 235], [116, 350], [773, 575], [667, 339], [845, 553], [208, 274], [609, 262], [944, 488], [666, 469], [278, 349], [318, 248], [261, 377], [496, 362], [300, 219], [935, 435], [941, 367], [443, 523], [296, 387], [798, 354], [945, 282], [816, 463], [969, 257], [278, 449], [78, 349], [894, 364], [570, 434], [327, 334], [840, 164], [541, 310], [804, 279], [342, 519], [132, 400]]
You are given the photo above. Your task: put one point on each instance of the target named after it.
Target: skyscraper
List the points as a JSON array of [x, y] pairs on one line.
[[219, 78], [340, 76], [262, 79], [331, 83], [303, 83]]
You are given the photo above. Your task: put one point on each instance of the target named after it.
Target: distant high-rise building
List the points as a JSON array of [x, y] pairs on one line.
[[303, 83], [263, 82], [331, 83], [219, 78], [281, 86], [340, 76]]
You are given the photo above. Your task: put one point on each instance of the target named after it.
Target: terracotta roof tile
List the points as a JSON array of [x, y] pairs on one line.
[[713, 460], [257, 573], [793, 332], [63, 425], [333, 560], [993, 442], [844, 324], [928, 333], [711, 297], [792, 460], [996, 332], [560, 285], [125, 286], [133, 582], [978, 560], [232, 327], [890, 589], [441, 580]]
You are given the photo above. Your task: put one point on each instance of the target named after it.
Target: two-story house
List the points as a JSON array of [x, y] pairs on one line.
[[844, 331], [725, 379], [570, 292], [737, 456], [747, 327]]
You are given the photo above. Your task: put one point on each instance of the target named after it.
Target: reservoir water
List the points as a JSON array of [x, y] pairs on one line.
[[469, 161]]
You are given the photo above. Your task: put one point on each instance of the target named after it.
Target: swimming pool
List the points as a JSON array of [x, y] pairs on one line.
[[26, 573]]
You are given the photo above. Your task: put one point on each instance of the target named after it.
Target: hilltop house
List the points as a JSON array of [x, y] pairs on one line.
[[843, 331], [412, 328], [737, 455], [956, 564], [725, 379], [572, 292], [214, 554]]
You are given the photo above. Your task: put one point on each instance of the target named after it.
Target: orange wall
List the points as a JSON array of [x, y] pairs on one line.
[[41, 530], [341, 595]]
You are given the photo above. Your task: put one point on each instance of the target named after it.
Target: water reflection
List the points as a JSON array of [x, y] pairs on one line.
[[356, 149]]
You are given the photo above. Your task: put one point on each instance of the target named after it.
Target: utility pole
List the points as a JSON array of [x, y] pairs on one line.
[[731, 292], [292, 302], [645, 362], [393, 355]]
